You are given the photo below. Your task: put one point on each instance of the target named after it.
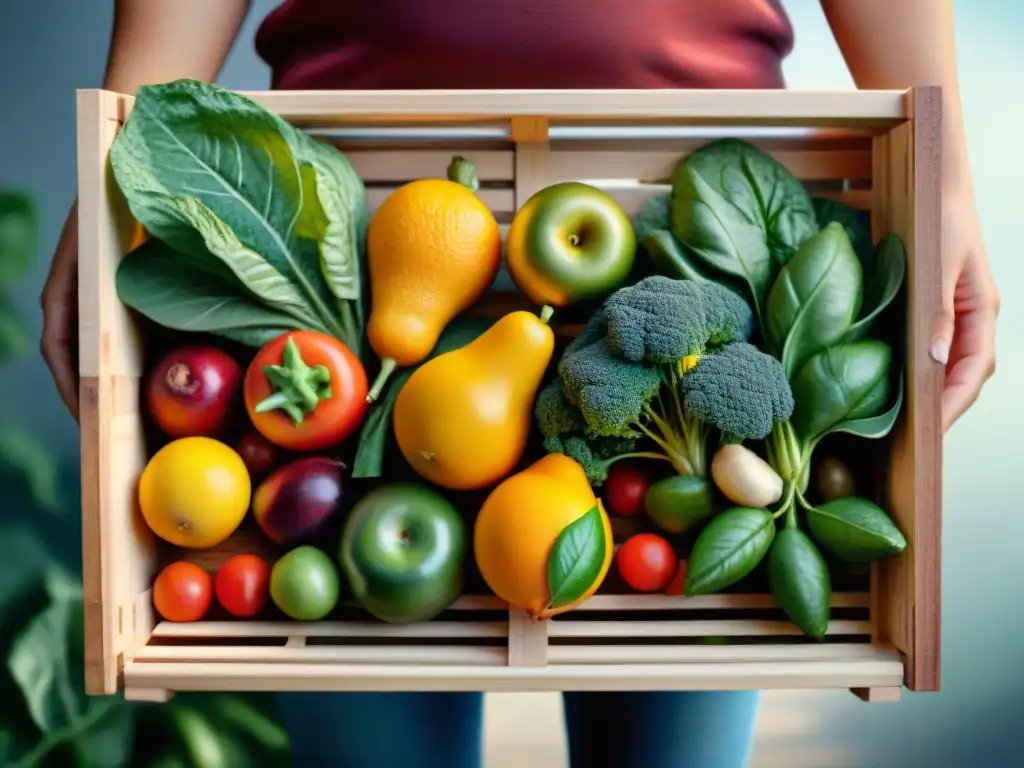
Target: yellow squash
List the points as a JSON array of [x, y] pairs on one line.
[[463, 418], [433, 248], [518, 526]]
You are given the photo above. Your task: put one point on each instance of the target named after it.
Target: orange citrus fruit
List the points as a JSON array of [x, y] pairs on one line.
[[194, 492]]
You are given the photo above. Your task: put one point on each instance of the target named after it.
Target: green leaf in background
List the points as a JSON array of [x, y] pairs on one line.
[[889, 268], [23, 454], [576, 558], [210, 171], [855, 530], [18, 228], [182, 293], [842, 383], [815, 298], [855, 221], [728, 549], [249, 721], [14, 341], [800, 582], [376, 430]]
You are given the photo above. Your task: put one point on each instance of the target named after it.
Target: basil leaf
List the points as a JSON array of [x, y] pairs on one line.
[[374, 434], [855, 530], [889, 271], [800, 582], [577, 558], [728, 549], [855, 221], [815, 298], [841, 383], [210, 171], [183, 293]]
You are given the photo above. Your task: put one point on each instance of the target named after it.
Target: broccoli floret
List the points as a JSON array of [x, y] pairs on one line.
[[596, 456], [556, 416], [610, 392], [740, 390], [663, 320], [729, 317]]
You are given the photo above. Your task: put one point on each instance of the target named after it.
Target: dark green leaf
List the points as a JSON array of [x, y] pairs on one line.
[[373, 437], [18, 230], [884, 283], [800, 582], [717, 234], [211, 172], [762, 189], [14, 341], [855, 221], [23, 454], [576, 558], [842, 383], [654, 214], [873, 427], [815, 298], [182, 293], [728, 549], [105, 740], [670, 258], [855, 530]]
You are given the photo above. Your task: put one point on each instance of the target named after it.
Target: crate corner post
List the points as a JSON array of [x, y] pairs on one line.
[[117, 554]]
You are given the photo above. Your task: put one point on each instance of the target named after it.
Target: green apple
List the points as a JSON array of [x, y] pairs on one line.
[[570, 242], [402, 552]]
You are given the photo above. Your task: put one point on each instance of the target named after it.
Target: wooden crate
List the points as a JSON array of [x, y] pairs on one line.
[[876, 150]]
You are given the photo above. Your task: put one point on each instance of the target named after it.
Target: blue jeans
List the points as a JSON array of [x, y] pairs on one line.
[[444, 730]]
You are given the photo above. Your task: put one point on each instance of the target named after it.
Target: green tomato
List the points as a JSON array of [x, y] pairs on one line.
[[402, 551], [570, 242], [304, 584], [678, 503]]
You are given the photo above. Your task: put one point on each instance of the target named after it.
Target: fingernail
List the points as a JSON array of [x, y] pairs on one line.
[[940, 352]]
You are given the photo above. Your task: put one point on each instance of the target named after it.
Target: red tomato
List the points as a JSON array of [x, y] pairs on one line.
[[625, 488], [241, 585], [677, 584], [182, 592], [306, 391], [646, 562]]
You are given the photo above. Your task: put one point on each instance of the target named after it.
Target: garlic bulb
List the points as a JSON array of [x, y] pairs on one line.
[[744, 477]]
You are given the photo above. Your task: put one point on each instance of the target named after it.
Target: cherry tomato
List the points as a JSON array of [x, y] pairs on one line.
[[182, 592], [305, 391], [677, 584], [259, 454], [625, 488], [241, 585], [646, 562]]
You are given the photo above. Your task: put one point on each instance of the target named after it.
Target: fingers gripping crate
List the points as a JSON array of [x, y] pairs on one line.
[[874, 150]]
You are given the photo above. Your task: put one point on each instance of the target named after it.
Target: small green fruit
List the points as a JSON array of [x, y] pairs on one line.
[[678, 503], [304, 584]]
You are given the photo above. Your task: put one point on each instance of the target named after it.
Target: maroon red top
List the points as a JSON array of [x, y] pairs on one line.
[[499, 44]]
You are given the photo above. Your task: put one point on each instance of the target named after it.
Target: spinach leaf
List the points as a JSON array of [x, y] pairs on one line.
[[766, 193], [186, 293], [212, 172], [373, 437], [855, 530], [717, 233], [855, 221], [889, 267], [815, 298], [654, 214], [844, 382], [728, 549], [872, 427], [800, 582]]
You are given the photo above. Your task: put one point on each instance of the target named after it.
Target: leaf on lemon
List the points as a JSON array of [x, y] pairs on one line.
[[576, 558]]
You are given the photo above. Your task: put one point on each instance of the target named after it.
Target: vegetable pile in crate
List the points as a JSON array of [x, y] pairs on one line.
[[343, 417]]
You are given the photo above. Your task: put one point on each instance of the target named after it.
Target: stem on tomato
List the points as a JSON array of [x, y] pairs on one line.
[[297, 388]]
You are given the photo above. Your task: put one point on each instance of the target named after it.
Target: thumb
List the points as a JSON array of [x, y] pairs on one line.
[[944, 322]]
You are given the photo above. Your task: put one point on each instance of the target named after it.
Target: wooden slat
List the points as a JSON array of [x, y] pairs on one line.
[[912, 582], [367, 629], [703, 602], [704, 107], [498, 200], [703, 654], [222, 676], [377, 165], [709, 628], [468, 655]]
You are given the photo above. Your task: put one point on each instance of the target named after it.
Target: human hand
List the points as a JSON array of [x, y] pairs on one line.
[[60, 314], [964, 332]]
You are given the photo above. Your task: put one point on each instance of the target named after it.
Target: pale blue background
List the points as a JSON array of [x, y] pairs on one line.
[[50, 47]]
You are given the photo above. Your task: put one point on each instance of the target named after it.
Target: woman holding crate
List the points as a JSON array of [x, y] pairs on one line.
[[507, 44]]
